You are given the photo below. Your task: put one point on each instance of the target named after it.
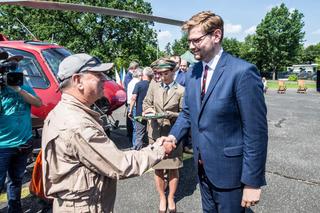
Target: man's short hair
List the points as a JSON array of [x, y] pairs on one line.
[[147, 71], [137, 73], [133, 65], [207, 20], [65, 84]]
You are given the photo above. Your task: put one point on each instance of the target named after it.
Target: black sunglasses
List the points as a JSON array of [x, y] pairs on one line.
[[92, 62]]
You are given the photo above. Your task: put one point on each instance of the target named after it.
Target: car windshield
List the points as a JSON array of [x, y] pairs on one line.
[[54, 57]]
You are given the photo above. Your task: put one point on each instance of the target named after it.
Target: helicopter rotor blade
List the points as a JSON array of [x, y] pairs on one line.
[[90, 9]]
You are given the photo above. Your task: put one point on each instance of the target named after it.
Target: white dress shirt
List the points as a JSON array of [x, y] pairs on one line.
[[212, 66]]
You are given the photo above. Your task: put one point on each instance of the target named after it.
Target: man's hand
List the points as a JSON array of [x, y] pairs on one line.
[[129, 115], [168, 147], [168, 144], [169, 115], [15, 88], [250, 197]]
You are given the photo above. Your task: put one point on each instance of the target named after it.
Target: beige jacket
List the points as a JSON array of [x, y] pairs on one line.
[[81, 164], [172, 105]]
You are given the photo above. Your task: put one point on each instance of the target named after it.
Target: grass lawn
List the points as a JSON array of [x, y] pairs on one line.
[[291, 84]]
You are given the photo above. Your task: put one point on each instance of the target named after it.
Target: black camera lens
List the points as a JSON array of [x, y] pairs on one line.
[[14, 79]]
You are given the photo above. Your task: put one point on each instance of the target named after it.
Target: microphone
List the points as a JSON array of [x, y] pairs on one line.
[[3, 55]]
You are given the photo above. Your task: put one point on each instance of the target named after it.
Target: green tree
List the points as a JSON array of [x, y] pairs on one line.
[[248, 49], [232, 46], [180, 46], [167, 49], [107, 37], [278, 39], [311, 53]]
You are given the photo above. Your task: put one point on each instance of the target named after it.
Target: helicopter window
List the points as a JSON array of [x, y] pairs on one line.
[[29, 66], [54, 57]]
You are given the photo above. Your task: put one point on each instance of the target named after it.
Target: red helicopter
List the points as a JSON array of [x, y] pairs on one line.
[[40, 66]]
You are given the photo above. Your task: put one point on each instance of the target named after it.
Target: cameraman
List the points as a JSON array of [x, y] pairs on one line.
[[15, 137]]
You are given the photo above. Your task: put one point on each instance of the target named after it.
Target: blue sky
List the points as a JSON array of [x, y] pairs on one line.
[[240, 16]]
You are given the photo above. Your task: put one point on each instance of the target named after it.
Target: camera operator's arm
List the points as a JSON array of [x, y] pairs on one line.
[[28, 97]]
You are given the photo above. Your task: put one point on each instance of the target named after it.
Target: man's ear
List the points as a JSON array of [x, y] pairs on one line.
[[217, 35], [77, 81]]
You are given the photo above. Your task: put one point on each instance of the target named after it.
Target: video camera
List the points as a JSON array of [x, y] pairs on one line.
[[7, 67]]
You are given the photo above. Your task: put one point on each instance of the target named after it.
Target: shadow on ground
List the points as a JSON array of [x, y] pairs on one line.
[[188, 180]]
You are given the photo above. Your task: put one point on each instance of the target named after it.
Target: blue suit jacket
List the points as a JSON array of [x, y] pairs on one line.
[[229, 128], [180, 79]]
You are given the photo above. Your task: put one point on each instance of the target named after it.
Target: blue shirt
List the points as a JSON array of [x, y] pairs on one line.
[[140, 90], [127, 79], [15, 118]]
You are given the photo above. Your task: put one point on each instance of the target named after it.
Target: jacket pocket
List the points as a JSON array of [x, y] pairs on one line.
[[233, 151], [83, 180]]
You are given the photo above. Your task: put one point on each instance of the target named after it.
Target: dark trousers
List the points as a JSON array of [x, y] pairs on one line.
[[14, 161], [216, 200], [129, 127], [141, 134]]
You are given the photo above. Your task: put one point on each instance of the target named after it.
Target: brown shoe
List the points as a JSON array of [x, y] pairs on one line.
[[173, 210]]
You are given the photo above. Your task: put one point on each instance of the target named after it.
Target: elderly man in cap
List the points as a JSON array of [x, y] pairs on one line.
[[81, 164]]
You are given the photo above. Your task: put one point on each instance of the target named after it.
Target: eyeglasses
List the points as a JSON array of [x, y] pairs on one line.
[[197, 41]]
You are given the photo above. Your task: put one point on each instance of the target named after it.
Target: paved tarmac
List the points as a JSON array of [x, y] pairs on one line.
[[293, 168]]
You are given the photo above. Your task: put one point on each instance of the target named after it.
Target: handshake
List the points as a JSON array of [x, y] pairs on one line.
[[168, 143]]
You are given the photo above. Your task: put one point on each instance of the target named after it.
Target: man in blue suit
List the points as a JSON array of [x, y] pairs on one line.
[[224, 106]]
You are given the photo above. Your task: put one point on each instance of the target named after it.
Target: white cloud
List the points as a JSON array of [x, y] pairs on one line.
[[317, 32], [164, 36], [233, 28], [251, 30]]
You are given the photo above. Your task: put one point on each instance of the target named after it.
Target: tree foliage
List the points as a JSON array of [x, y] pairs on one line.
[[110, 38], [232, 46], [310, 53], [279, 38], [180, 46]]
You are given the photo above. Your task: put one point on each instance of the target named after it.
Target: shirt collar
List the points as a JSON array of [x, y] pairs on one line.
[[213, 63], [170, 85], [73, 101]]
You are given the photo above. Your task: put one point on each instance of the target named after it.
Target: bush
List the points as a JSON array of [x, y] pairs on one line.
[[293, 77]]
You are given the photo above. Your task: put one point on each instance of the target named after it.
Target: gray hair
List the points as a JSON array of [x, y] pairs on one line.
[[133, 65], [147, 71], [137, 73], [65, 84]]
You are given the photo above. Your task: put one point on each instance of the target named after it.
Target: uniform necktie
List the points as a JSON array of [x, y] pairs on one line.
[[166, 91], [204, 79]]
